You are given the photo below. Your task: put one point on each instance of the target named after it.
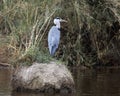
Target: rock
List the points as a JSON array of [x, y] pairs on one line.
[[43, 78]]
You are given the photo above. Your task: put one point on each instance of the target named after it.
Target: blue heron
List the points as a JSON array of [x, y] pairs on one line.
[[54, 36]]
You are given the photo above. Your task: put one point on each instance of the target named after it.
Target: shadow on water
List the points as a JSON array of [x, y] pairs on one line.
[[90, 82]]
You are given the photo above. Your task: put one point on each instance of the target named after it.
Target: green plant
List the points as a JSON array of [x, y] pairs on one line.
[[90, 35]]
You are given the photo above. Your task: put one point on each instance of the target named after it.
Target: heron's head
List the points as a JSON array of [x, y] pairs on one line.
[[58, 20]]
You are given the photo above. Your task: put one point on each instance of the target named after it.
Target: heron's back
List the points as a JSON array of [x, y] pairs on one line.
[[54, 35]]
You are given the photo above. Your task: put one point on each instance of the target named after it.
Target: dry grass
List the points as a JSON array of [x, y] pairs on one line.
[[90, 35]]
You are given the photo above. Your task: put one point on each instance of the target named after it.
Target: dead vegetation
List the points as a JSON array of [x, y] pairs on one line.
[[91, 36]]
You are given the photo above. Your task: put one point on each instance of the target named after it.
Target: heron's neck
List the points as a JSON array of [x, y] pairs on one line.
[[58, 25]]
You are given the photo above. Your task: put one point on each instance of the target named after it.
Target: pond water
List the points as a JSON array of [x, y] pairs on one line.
[[100, 82]]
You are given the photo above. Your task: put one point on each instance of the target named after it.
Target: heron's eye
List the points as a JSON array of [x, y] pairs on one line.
[[57, 17]]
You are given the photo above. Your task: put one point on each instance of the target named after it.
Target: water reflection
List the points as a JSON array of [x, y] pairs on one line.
[[100, 82], [5, 89], [39, 94]]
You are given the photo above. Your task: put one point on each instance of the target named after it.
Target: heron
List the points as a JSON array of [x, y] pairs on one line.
[[54, 36]]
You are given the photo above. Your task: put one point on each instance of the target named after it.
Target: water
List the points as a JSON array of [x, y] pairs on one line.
[[5, 89], [101, 82]]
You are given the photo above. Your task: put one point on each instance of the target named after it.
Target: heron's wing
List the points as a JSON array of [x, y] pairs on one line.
[[54, 36], [53, 39]]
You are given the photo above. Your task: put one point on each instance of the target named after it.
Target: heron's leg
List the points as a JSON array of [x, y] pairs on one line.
[[50, 48], [53, 50]]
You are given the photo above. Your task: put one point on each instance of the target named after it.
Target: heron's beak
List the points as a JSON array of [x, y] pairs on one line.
[[63, 20]]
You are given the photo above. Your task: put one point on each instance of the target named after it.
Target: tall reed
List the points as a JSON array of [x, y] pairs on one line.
[[89, 37]]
